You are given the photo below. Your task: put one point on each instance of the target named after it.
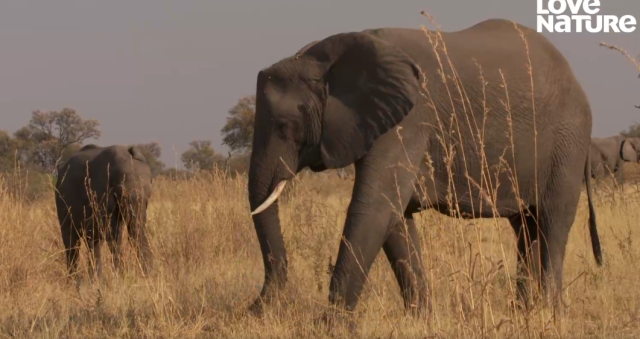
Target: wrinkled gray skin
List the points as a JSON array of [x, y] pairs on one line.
[[345, 99], [120, 178], [608, 155]]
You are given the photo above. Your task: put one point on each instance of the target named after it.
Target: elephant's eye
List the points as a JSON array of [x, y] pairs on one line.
[[281, 129], [288, 130], [313, 80]]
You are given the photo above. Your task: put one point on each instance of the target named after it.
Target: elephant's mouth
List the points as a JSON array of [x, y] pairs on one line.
[[273, 197]]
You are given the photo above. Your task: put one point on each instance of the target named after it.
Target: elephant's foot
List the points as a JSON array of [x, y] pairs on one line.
[[76, 282], [73, 281], [555, 301], [72, 278], [92, 277], [277, 299], [527, 297], [420, 308], [98, 279], [544, 301], [522, 305], [336, 320], [257, 307], [146, 263], [416, 301]]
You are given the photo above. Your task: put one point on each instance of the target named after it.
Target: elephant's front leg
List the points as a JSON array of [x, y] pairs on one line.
[[274, 256], [402, 248], [95, 265], [71, 240], [139, 239], [375, 197], [114, 240], [619, 174], [526, 230]]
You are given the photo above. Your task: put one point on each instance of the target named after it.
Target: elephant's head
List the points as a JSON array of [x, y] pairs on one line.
[[137, 185], [630, 149], [324, 107]]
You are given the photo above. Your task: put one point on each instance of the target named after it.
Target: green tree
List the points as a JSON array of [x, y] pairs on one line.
[[152, 152], [176, 174], [201, 156], [632, 131], [238, 131], [238, 163], [8, 148], [50, 136]]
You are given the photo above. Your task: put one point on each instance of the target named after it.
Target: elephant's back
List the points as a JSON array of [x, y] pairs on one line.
[[491, 62], [607, 147], [124, 166], [73, 173], [495, 45], [75, 166], [117, 156], [71, 192], [494, 40]]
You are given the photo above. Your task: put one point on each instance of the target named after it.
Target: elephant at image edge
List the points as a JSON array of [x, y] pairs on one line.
[[608, 155], [120, 180], [350, 97]]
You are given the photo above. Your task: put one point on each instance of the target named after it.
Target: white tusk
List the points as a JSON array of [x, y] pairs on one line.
[[274, 195]]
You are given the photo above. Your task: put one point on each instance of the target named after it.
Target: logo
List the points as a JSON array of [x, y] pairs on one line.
[[553, 18]]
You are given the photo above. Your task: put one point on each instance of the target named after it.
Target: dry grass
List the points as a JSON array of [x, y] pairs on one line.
[[210, 269]]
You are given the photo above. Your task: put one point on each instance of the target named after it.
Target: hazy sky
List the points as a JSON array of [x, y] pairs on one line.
[[168, 71]]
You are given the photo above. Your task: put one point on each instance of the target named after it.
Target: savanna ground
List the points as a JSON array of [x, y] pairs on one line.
[[210, 269]]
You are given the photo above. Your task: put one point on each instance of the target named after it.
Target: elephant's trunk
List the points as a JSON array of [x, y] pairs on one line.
[[274, 254], [267, 179]]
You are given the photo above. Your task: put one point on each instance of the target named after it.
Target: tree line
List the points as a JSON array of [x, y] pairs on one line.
[[50, 138]]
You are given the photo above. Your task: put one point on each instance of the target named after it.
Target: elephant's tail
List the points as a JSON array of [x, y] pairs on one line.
[[593, 230]]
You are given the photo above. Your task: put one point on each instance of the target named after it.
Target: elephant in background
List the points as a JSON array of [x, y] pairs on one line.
[[608, 155], [97, 190], [360, 98]]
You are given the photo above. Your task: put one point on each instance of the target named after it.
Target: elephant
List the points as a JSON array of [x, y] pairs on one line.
[[608, 155], [97, 190], [419, 130]]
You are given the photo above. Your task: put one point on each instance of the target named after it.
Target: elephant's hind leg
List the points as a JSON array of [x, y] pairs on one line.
[[140, 241], [95, 264], [556, 215], [526, 231], [114, 240], [93, 235], [71, 240], [402, 248]]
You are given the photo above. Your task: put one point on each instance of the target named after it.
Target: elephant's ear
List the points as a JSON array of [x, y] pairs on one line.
[[137, 154], [627, 151], [305, 48], [371, 84]]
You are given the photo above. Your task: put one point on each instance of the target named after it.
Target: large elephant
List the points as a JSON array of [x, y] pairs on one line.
[[97, 190], [608, 155], [388, 101]]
